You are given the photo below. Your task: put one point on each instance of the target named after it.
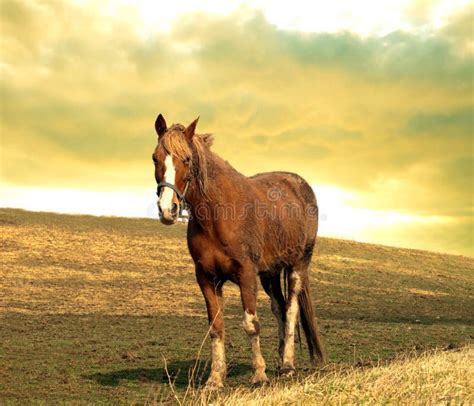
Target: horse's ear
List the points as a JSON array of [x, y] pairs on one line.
[[160, 125], [189, 132]]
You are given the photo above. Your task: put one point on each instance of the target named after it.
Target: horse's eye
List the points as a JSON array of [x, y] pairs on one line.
[[186, 160], [154, 159]]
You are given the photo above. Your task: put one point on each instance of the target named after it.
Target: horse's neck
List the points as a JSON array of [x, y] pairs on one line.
[[222, 179]]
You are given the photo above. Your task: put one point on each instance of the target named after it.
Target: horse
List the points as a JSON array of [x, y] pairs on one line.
[[240, 229]]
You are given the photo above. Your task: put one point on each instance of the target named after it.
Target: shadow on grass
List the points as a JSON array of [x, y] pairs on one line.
[[178, 372]]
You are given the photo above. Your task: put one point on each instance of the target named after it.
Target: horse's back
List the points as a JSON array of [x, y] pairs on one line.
[[278, 182]]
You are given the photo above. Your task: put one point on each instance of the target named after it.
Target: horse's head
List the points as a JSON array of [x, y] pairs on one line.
[[172, 159]]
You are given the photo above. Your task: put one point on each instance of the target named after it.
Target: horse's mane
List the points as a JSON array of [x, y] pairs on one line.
[[175, 143]]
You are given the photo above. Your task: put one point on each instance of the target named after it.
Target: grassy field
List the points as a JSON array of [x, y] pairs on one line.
[[435, 377], [90, 309]]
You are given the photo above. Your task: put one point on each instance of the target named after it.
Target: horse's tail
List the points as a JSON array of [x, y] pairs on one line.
[[310, 327]]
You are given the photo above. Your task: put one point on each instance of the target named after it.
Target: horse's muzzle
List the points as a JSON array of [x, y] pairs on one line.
[[169, 216]]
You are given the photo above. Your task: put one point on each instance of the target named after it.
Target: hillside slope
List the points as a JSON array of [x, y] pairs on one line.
[[91, 307], [431, 378]]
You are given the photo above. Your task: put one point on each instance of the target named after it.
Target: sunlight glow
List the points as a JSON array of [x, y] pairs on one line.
[[75, 201], [364, 17], [337, 217]]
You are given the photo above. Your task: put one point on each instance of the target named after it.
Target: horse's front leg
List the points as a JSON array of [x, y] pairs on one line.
[[248, 293], [212, 292]]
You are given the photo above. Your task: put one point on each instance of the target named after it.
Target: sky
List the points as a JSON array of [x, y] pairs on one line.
[[371, 102]]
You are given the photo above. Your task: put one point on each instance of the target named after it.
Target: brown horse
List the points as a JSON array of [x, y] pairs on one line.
[[241, 228]]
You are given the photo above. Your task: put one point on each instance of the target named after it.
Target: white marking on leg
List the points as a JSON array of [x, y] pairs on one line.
[[218, 367], [291, 320], [166, 199], [248, 323], [218, 352], [252, 327]]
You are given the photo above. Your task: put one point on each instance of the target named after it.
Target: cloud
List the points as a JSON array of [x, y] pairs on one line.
[[458, 123], [388, 117], [459, 29], [419, 11]]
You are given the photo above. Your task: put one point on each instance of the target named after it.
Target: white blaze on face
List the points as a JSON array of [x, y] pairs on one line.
[[170, 174]]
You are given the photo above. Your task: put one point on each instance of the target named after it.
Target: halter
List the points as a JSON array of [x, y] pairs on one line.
[[181, 195]]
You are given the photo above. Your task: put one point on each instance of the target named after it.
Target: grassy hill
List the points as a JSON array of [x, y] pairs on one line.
[[91, 308]]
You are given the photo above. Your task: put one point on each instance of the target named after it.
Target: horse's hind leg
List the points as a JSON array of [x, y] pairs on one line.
[[272, 286], [248, 293], [292, 309]]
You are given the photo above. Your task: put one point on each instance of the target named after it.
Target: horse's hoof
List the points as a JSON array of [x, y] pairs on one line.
[[287, 372], [212, 385], [259, 381]]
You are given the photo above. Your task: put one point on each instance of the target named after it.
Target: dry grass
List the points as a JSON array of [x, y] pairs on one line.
[[439, 377], [90, 306], [94, 270]]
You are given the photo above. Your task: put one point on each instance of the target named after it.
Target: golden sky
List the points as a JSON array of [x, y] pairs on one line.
[[373, 106]]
